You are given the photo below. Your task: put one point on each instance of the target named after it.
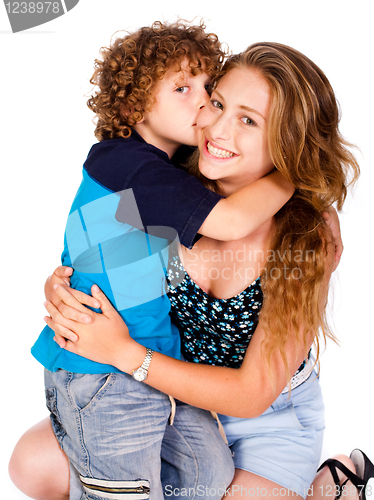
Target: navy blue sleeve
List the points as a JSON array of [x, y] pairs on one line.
[[165, 195], [168, 196]]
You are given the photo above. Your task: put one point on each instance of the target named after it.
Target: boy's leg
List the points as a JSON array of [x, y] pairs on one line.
[[196, 462], [111, 428]]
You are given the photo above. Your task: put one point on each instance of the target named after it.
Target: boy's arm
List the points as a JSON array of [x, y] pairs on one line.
[[246, 210]]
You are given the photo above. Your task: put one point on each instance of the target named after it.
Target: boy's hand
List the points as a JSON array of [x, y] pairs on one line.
[[71, 304], [332, 220]]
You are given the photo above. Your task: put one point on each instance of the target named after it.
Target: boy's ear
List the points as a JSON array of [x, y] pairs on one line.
[[132, 114]]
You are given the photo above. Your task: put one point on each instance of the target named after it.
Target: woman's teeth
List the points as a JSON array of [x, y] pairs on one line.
[[219, 153]]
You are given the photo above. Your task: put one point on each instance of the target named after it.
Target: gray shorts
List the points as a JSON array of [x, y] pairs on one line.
[[116, 434]]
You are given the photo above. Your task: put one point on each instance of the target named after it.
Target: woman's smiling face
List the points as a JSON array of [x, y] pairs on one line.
[[232, 130]]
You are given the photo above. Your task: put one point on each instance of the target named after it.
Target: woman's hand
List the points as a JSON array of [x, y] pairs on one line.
[[102, 338], [71, 309], [332, 220]]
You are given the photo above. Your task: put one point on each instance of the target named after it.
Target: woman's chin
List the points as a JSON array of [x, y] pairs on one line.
[[211, 172]]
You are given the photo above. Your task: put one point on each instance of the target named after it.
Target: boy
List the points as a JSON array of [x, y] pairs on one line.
[[152, 85]]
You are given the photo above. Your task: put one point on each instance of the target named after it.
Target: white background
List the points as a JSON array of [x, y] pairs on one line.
[[46, 132]]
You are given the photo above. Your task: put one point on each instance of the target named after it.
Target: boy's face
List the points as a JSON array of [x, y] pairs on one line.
[[179, 99]]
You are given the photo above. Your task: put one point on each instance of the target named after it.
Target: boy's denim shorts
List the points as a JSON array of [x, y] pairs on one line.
[[116, 434], [284, 444]]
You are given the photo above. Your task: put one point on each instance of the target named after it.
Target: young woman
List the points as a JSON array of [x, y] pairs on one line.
[[271, 107]]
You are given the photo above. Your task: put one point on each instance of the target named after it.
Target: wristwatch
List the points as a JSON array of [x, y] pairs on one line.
[[141, 373]]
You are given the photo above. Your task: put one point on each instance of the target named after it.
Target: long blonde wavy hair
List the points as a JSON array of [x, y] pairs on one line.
[[307, 148]]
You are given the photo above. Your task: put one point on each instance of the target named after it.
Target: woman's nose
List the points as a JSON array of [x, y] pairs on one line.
[[220, 129]]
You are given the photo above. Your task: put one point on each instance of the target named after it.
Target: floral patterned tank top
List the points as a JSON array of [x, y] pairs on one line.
[[213, 331]]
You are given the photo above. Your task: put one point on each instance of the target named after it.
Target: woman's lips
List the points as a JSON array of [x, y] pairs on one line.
[[218, 152]]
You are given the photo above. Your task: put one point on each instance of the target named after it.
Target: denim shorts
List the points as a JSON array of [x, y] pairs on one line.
[[116, 434], [284, 444]]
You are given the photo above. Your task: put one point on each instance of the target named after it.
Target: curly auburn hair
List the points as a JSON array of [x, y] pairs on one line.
[[129, 69], [307, 148]]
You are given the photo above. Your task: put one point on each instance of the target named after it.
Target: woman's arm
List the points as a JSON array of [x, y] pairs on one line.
[[244, 392], [71, 310]]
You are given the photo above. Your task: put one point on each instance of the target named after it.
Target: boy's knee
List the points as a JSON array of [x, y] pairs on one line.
[[224, 474], [217, 473]]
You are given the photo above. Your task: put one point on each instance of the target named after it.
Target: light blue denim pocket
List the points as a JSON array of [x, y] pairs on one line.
[[85, 392], [51, 402]]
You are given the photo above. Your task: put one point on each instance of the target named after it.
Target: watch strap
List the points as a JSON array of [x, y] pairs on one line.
[[141, 373], [147, 359]]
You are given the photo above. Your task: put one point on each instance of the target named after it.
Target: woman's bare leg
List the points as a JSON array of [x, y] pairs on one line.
[[246, 484], [38, 466], [323, 486]]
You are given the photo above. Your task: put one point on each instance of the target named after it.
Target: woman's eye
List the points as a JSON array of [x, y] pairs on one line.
[[216, 104], [182, 90], [248, 121]]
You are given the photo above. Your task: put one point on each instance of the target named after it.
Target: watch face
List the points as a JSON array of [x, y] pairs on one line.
[[140, 374]]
